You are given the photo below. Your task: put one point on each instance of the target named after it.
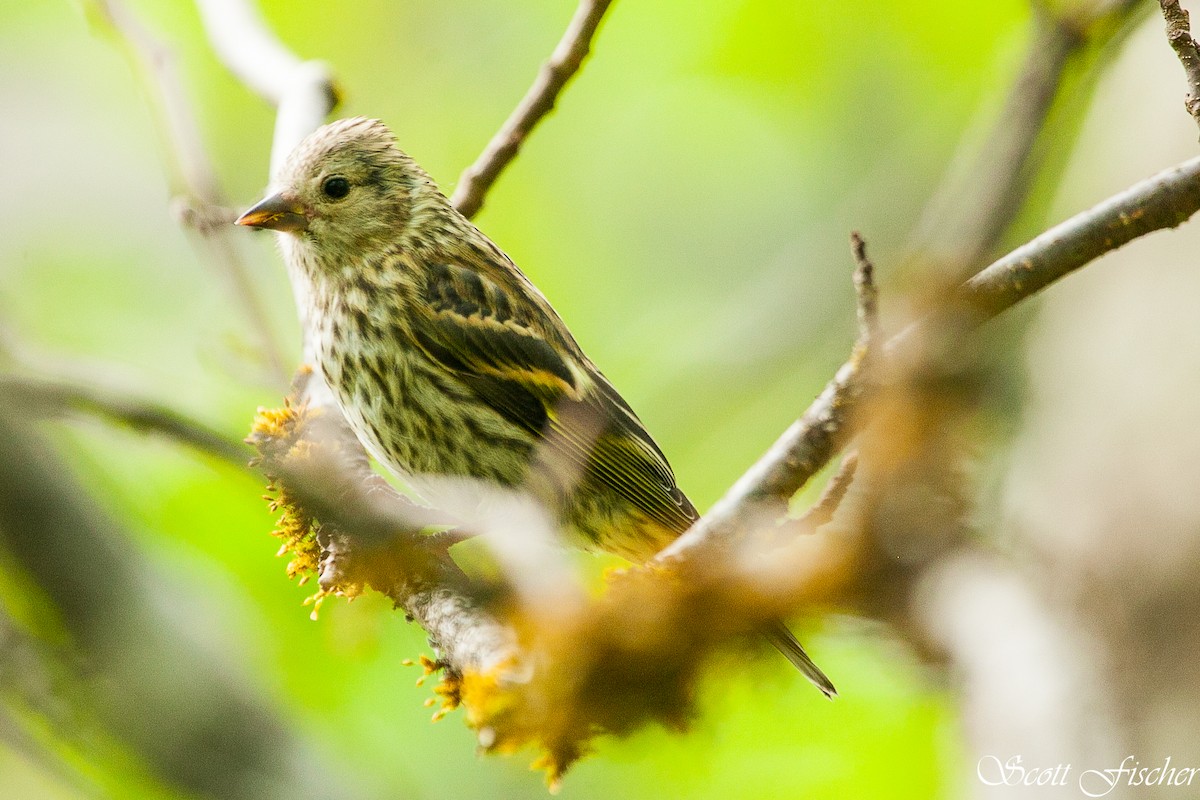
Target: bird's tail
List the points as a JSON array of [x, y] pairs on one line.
[[785, 642]]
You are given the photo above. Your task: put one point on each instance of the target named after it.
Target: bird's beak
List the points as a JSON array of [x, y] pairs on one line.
[[279, 212]]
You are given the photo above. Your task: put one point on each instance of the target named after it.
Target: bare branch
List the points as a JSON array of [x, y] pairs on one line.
[[1165, 200], [194, 174], [303, 92], [53, 397], [539, 101], [1179, 34]]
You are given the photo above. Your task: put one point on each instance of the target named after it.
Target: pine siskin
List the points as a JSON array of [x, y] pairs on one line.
[[446, 360]]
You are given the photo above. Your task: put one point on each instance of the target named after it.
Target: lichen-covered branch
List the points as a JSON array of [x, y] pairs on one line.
[[539, 101], [343, 523]]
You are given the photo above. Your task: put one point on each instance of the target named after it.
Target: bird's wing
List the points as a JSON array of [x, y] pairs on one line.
[[497, 348]]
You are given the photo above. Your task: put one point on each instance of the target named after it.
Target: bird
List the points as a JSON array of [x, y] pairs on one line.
[[446, 360]]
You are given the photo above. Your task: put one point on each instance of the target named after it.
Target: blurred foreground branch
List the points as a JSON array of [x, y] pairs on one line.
[[183, 715], [44, 396]]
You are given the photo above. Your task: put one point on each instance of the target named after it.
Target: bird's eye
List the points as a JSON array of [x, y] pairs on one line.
[[336, 187]]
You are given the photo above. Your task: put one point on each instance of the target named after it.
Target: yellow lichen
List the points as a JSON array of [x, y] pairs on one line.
[[639, 664], [276, 428], [274, 423]]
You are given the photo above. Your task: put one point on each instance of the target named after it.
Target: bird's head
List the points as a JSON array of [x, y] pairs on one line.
[[347, 188]]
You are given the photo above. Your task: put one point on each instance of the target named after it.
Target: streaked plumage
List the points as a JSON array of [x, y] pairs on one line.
[[446, 360]]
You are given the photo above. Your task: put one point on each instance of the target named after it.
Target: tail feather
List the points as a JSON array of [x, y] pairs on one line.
[[785, 642]]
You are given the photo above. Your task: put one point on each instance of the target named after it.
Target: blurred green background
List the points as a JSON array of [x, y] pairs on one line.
[[686, 210]]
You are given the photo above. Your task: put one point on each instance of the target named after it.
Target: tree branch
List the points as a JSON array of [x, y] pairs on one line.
[[303, 92], [1165, 200], [1179, 35], [539, 101]]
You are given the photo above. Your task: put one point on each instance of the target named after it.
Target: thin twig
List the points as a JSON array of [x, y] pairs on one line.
[[1165, 200], [822, 511], [53, 397], [539, 101], [867, 292], [865, 348], [865, 354], [1179, 34], [195, 175]]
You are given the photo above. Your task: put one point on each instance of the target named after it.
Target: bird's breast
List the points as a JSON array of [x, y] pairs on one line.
[[412, 414]]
